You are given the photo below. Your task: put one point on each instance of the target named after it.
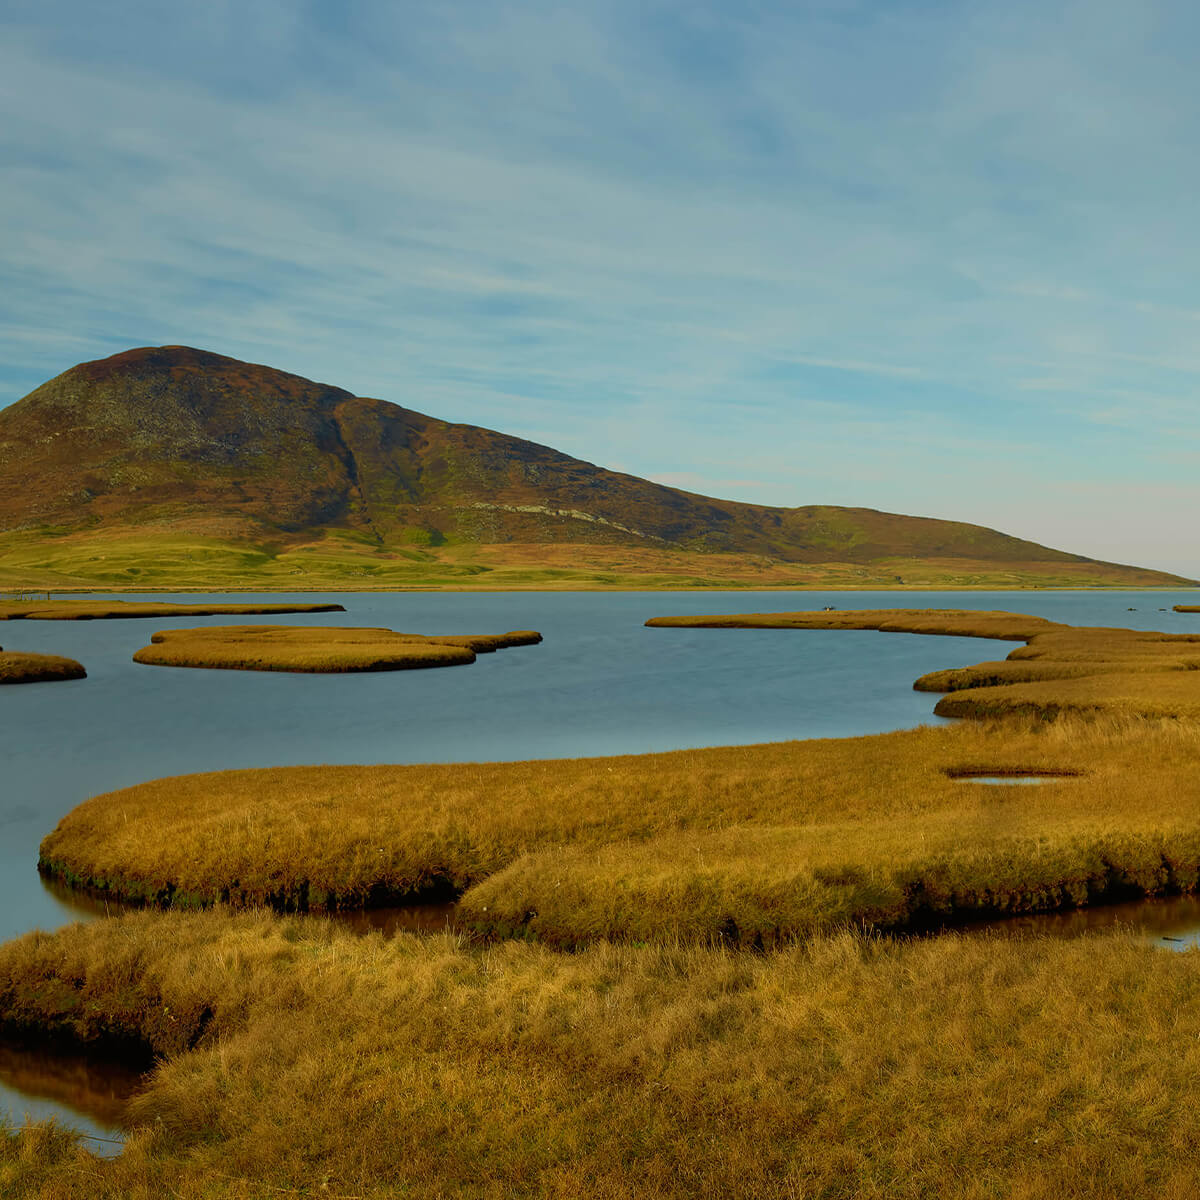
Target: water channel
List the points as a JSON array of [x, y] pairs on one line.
[[600, 683]]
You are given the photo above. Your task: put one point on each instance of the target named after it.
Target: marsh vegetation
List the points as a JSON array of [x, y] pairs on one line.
[[321, 650], [18, 667], [298, 1059], [662, 1057]]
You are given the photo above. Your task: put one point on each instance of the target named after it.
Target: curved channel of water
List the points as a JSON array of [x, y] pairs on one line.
[[599, 684]]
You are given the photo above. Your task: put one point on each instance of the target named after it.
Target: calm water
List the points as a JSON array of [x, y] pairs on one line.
[[600, 683]]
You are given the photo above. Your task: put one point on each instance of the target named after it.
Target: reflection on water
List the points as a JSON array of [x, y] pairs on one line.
[[1172, 922], [418, 918], [436, 917], [84, 1091], [1011, 780], [80, 904]]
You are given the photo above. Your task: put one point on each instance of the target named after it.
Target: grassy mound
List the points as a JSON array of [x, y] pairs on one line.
[[297, 1059], [17, 667], [750, 844], [95, 610], [324, 650]]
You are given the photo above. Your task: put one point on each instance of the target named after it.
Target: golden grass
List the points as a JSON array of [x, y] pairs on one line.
[[749, 844], [318, 649], [95, 610], [299, 1060], [18, 667]]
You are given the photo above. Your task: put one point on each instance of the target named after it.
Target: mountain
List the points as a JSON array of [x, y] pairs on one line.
[[174, 465]]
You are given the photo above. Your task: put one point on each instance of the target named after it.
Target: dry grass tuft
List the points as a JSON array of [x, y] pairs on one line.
[[297, 1059], [325, 650]]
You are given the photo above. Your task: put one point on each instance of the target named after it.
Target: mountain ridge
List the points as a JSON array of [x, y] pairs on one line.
[[177, 440]]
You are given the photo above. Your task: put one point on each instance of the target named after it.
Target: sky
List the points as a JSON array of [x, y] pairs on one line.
[[924, 256]]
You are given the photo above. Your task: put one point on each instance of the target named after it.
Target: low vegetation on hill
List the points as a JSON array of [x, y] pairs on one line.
[[170, 467]]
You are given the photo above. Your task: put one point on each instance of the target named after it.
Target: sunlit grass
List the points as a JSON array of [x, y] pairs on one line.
[[318, 649], [747, 844], [297, 1059]]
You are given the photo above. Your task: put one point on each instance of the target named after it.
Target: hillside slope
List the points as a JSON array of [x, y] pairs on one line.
[[174, 465]]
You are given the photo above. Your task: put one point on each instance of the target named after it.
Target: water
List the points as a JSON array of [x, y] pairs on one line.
[[1012, 780], [77, 1090], [600, 683]]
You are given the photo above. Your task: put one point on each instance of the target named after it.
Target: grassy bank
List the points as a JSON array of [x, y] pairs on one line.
[[18, 667], [95, 610], [742, 844], [300, 1060]]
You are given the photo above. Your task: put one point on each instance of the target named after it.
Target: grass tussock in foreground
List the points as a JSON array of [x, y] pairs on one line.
[[18, 667], [323, 650], [744, 844], [1059, 669], [298, 1059], [96, 610]]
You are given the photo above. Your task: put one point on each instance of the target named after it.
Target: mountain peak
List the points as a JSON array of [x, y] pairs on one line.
[[176, 437]]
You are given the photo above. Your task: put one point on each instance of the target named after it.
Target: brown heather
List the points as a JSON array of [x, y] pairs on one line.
[[17, 667], [324, 650], [297, 1060]]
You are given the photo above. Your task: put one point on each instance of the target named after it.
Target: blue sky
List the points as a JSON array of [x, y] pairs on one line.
[[923, 256]]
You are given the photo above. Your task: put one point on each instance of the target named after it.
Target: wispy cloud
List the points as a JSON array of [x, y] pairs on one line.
[[894, 254]]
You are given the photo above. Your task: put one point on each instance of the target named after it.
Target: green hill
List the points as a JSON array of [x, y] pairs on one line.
[[172, 467]]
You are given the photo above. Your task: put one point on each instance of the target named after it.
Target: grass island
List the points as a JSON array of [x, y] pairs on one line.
[[325, 650], [19, 667]]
